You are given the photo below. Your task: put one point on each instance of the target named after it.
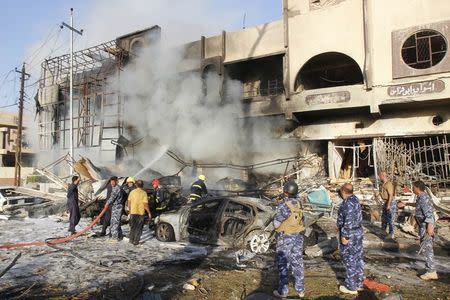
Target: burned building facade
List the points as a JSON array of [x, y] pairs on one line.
[[349, 75]]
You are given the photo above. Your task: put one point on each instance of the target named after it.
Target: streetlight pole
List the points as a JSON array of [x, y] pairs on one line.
[[80, 32]]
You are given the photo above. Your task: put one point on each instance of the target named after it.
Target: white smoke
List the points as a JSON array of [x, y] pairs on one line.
[[171, 108], [167, 107]]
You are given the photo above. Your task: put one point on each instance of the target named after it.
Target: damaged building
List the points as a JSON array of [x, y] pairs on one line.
[[363, 81]]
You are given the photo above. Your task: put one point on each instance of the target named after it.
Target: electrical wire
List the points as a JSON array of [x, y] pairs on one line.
[[34, 55], [10, 105]]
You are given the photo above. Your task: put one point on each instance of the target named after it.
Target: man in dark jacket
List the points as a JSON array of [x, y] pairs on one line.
[[198, 189], [72, 204]]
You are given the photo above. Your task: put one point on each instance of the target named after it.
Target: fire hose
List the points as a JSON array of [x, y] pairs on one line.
[[60, 240]]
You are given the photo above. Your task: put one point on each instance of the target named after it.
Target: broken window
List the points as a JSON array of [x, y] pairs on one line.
[[235, 219], [202, 220], [328, 70], [261, 77], [351, 159], [212, 83], [424, 49]]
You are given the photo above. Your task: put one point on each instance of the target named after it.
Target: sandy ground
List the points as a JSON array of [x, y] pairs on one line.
[[95, 268]]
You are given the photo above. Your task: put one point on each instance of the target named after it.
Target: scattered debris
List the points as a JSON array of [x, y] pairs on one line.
[[322, 248], [188, 287], [373, 285], [11, 264]]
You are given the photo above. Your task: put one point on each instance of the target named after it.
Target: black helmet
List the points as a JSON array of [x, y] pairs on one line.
[[291, 188]]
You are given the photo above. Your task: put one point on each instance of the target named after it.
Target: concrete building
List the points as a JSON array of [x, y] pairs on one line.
[[345, 73], [8, 136]]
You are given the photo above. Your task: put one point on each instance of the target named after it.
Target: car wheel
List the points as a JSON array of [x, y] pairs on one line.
[[165, 233], [258, 241]]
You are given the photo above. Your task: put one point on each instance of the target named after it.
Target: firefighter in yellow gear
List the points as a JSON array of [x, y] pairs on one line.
[[198, 189]]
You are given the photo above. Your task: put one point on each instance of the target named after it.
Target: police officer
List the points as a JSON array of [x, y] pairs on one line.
[[198, 189], [425, 220], [349, 222], [387, 193], [115, 200], [289, 225]]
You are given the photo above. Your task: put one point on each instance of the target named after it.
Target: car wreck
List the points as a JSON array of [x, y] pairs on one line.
[[238, 222]]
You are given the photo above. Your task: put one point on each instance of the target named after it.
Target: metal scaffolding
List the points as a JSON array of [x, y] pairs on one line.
[[97, 102], [426, 158]]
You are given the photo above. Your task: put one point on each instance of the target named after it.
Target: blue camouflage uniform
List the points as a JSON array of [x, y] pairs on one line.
[[424, 216], [115, 200], [349, 222], [289, 251]]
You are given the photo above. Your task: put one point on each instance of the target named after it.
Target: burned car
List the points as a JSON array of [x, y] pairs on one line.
[[11, 199], [224, 221]]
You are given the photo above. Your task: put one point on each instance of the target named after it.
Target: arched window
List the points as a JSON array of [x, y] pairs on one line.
[[328, 70]]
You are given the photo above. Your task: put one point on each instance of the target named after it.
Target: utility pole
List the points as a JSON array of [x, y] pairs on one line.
[[80, 32], [18, 155]]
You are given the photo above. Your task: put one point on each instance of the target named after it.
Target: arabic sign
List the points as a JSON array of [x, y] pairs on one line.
[[416, 89], [328, 98]]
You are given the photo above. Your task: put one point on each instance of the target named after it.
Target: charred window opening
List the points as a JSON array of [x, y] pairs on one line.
[[236, 218], [203, 217], [211, 81], [424, 49], [328, 70], [259, 77], [136, 47], [351, 159]]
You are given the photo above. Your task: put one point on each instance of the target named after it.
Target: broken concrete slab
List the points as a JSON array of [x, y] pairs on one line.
[[322, 248]]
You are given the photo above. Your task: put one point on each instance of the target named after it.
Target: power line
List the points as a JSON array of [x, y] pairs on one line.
[[33, 56], [10, 105]]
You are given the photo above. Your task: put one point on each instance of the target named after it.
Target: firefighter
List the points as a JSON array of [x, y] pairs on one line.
[[160, 199], [289, 226], [198, 189], [130, 186]]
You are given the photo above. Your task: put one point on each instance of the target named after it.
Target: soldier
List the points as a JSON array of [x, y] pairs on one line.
[[289, 225], [115, 200], [426, 222], [387, 193], [349, 222]]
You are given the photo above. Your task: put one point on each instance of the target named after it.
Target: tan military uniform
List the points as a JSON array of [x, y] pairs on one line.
[[294, 223], [387, 189]]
